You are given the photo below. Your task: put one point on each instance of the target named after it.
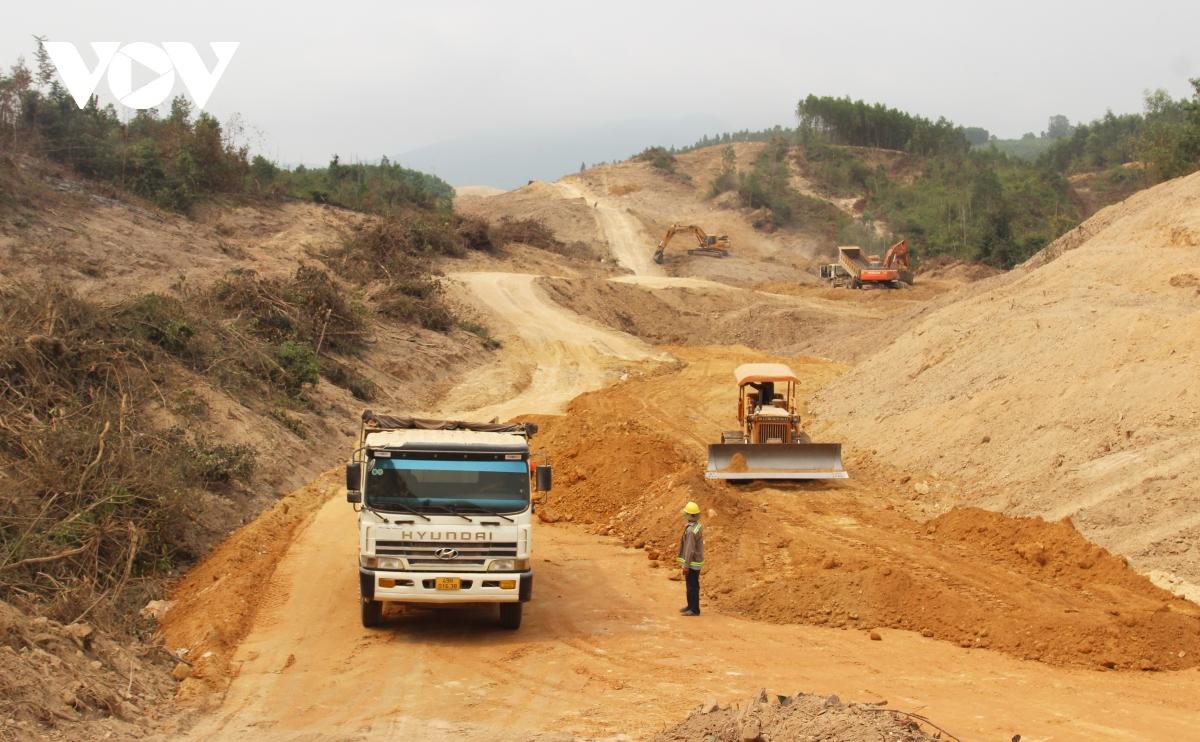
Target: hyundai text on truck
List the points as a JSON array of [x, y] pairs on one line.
[[444, 513]]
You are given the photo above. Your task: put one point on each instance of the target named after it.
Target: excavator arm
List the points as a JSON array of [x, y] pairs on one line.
[[717, 247], [897, 256]]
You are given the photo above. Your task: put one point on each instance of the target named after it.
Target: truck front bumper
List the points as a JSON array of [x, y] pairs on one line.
[[420, 587]]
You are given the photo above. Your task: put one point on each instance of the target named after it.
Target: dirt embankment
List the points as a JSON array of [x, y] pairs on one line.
[[802, 716], [702, 314], [1064, 389], [111, 250], [845, 554], [776, 317], [213, 607]]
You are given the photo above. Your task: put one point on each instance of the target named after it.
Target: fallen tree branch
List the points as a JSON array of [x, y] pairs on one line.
[[45, 559]]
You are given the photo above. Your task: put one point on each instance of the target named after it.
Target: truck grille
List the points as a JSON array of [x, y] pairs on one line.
[[773, 431], [423, 554]]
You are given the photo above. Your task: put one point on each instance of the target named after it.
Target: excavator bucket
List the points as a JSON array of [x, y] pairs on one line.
[[775, 461]]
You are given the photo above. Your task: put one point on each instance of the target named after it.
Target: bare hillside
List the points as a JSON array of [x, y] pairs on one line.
[[1066, 389]]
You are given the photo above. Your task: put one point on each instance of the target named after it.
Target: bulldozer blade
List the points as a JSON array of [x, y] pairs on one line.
[[776, 461]]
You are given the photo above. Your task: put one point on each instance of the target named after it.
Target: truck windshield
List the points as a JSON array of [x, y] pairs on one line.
[[430, 486]]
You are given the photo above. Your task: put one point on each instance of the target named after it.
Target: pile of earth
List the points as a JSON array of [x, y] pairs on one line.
[[65, 680], [843, 553], [803, 716]]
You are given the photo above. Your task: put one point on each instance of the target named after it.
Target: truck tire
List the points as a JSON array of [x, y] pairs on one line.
[[510, 615], [372, 613]]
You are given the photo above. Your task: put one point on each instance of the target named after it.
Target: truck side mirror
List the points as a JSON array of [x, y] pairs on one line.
[[544, 478], [353, 482]]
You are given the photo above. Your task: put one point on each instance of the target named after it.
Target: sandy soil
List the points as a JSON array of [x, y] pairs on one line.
[[477, 190], [551, 356], [857, 553], [1064, 389]]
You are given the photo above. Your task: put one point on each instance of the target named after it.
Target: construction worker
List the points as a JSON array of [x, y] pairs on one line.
[[691, 558], [766, 394]]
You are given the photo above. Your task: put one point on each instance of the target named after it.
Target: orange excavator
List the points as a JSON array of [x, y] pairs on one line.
[[706, 244], [857, 270], [897, 256]]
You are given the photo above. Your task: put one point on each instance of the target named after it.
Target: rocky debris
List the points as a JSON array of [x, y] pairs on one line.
[[155, 610], [803, 716], [73, 681]]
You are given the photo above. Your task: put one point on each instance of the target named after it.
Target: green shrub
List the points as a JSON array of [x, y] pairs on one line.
[[294, 424], [428, 313], [660, 159], [482, 332], [297, 365], [161, 320]]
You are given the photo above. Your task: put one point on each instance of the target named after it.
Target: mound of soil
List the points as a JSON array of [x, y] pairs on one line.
[[77, 680], [705, 312], [1065, 389], [802, 716], [569, 219], [843, 554], [949, 269]]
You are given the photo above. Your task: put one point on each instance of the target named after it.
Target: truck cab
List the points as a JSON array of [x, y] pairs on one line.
[[444, 513], [835, 274]]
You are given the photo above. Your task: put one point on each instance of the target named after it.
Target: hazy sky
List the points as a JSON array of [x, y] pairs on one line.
[[364, 79]]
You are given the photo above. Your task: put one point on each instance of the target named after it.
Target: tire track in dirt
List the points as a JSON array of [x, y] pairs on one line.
[[551, 354], [628, 242]]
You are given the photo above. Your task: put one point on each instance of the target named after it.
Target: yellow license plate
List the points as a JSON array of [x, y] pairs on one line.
[[448, 583]]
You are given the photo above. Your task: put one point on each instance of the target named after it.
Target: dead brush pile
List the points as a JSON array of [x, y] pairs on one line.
[[392, 259], [305, 319], [535, 233], [94, 496], [100, 463]]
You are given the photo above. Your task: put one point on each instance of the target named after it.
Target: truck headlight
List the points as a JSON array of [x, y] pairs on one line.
[[508, 565], [375, 562]]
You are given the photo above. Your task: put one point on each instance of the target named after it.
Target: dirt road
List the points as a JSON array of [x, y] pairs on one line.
[[629, 243], [550, 355], [603, 652]]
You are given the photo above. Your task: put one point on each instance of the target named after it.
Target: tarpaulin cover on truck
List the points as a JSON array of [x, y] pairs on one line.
[[394, 422]]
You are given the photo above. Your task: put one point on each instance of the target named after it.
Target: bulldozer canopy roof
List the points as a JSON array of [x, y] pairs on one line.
[[758, 372]]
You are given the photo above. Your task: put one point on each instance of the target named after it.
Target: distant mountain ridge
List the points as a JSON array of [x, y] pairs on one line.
[[508, 159]]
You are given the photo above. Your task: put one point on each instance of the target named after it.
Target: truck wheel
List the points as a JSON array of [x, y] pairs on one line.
[[372, 613], [510, 615]]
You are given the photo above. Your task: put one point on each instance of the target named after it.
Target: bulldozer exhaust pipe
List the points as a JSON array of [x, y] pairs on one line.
[[775, 461]]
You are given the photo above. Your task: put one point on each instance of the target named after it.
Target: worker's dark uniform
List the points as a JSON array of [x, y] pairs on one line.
[[691, 555], [766, 392]]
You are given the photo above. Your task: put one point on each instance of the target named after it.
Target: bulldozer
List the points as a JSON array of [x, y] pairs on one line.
[[714, 247], [770, 444]]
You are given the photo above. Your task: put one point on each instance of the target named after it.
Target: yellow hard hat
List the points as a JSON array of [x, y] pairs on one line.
[[691, 508]]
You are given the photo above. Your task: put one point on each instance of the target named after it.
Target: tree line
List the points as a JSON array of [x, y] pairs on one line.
[[956, 195], [175, 157]]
